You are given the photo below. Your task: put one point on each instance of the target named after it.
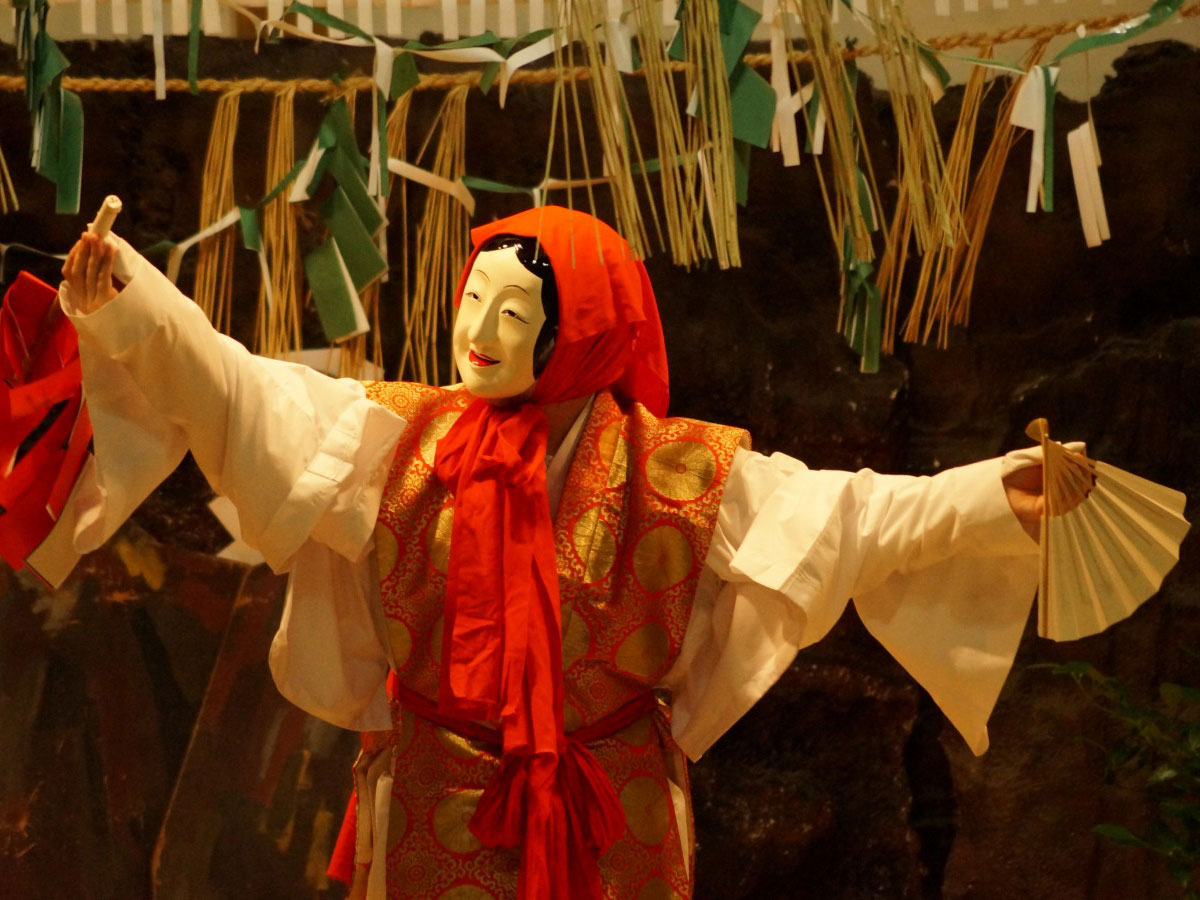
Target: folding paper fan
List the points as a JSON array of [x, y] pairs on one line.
[[1108, 538]]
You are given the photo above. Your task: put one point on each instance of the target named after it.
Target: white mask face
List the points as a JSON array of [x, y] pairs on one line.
[[499, 318]]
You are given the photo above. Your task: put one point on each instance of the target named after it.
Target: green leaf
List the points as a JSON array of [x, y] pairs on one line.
[[1119, 834], [1162, 774], [1048, 144]]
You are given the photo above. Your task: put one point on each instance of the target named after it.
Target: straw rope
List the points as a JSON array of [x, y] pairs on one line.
[[548, 75]]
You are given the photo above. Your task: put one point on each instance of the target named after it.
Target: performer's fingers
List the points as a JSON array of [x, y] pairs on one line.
[[104, 287], [93, 268], [68, 266]]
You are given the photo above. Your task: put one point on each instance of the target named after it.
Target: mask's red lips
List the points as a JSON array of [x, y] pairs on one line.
[[478, 359]]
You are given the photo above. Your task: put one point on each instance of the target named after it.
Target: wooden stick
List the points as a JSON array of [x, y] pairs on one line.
[[105, 216]]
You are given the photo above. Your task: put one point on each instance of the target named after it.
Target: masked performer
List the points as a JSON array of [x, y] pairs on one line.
[[534, 594]]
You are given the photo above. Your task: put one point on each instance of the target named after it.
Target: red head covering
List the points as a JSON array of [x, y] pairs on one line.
[[502, 644]]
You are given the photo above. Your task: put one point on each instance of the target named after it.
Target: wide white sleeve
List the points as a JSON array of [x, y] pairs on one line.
[[298, 453], [304, 458], [940, 570]]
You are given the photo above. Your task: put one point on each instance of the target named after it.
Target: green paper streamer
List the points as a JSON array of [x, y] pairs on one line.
[[251, 231], [934, 64], [404, 76], [1159, 12], [752, 106], [355, 188], [735, 37], [323, 18], [69, 162], [335, 302], [193, 46], [495, 187], [1048, 142], [363, 259]]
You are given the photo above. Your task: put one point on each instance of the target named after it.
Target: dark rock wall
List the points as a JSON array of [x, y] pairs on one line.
[[141, 677]]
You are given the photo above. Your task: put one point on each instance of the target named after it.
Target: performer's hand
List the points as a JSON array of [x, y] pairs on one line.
[[89, 273], [1023, 488]]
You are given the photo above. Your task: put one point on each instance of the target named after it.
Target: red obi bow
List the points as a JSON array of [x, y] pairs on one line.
[[44, 425]]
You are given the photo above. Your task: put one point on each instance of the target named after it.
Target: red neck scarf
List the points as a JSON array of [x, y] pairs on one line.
[[502, 643]]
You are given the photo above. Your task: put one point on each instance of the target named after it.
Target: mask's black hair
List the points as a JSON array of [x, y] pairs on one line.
[[533, 257]]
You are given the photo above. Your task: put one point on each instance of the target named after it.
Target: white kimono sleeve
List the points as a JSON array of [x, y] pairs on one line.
[[303, 457], [941, 573]]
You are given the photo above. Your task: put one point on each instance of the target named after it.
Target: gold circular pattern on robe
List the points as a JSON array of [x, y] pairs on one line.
[[397, 826], [637, 734], [595, 544], [657, 889], [576, 637], [572, 718], [434, 432], [681, 470], [662, 558], [435, 640], [466, 892], [437, 539], [450, 818], [613, 449], [647, 809], [456, 744], [401, 640], [387, 550], [645, 651]]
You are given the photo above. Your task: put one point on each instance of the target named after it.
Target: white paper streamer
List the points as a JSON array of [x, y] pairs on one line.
[[175, 257], [620, 45], [148, 16], [366, 16], [941, 7], [274, 9], [971, 6], [180, 13], [1029, 111], [450, 20], [537, 15], [304, 177], [120, 17], [455, 189], [1085, 170], [160, 56], [392, 17], [211, 16], [87, 17], [336, 8], [668, 13], [999, 4], [476, 19], [784, 132], [507, 26]]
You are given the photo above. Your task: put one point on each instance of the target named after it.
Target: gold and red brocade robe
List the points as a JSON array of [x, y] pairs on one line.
[[631, 534]]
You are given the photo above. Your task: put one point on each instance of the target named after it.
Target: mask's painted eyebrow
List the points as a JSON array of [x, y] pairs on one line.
[[476, 270], [517, 287]]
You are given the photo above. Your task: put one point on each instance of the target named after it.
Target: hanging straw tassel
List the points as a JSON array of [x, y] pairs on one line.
[[214, 260], [8, 193], [441, 244], [712, 129], [679, 183], [953, 188], [849, 224], [613, 126], [956, 283], [278, 327], [935, 217], [397, 147]]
